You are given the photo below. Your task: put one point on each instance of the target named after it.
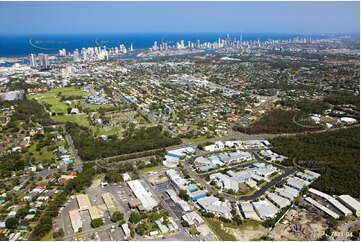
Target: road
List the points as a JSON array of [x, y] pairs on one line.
[[257, 194], [88, 232], [78, 165]]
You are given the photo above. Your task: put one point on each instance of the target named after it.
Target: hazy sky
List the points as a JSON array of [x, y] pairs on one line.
[[125, 17]]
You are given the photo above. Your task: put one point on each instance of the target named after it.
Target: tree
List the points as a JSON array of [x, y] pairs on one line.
[[183, 195], [134, 217], [12, 223], [2, 237], [117, 216], [185, 223], [95, 223], [268, 223], [58, 234], [21, 213], [140, 229]]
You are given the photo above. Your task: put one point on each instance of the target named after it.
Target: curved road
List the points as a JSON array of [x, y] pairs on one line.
[[257, 194]]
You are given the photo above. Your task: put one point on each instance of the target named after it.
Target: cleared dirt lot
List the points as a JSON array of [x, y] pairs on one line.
[[300, 225]]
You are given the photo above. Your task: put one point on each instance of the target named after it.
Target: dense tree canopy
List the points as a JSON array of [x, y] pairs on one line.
[[31, 110], [275, 122], [335, 154], [91, 148]]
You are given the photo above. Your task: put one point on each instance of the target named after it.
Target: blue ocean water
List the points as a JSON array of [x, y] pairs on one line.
[[19, 45]]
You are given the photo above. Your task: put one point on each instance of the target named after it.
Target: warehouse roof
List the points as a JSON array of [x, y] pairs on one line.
[[202, 160], [331, 200], [145, 197], [213, 204], [321, 207], [248, 210], [304, 176], [296, 183], [350, 201], [288, 192], [192, 217], [280, 201], [74, 215], [108, 200], [312, 173], [83, 201], [94, 213], [265, 209]]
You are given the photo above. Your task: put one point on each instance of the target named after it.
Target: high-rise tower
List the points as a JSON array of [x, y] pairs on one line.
[[32, 60]]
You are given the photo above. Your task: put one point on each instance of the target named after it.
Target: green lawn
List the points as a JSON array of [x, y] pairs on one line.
[[111, 131], [43, 154], [148, 169], [199, 139], [95, 107], [76, 118], [52, 98], [70, 91]]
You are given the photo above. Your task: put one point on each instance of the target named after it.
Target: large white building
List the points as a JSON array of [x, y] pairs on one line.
[[248, 211], [350, 202], [193, 218], [278, 200], [345, 211], [265, 209], [214, 205], [143, 195]]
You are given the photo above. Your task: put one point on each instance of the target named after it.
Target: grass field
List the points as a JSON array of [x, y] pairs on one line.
[[76, 118], [199, 139], [148, 169], [81, 119], [41, 155], [52, 98], [95, 107], [250, 224], [214, 225]]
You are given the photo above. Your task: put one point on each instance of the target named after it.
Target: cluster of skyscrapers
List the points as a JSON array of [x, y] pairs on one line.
[[221, 43], [103, 53], [42, 61], [98, 53], [225, 43]]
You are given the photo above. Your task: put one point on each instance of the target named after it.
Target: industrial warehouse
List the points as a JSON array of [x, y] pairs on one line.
[[143, 195]]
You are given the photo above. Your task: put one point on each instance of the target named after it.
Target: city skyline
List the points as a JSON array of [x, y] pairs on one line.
[[146, 17]]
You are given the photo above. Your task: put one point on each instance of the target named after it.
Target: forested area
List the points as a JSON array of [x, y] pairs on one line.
[[335, 154], [342, 98], [275, 122], [31, 110], [306, 105], [11, 162], [137, 140]]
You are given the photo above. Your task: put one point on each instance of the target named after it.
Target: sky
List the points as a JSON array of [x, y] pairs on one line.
[[129, 17]]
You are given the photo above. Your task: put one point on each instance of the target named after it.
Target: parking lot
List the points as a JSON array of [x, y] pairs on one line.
[[120, 195]]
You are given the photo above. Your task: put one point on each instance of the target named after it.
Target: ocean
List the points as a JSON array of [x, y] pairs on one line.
[[23, 45]]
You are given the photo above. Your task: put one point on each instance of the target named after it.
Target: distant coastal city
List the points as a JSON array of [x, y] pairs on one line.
[[164, 48]]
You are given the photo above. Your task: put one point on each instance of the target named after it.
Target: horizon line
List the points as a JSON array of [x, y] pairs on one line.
[[181, 32]]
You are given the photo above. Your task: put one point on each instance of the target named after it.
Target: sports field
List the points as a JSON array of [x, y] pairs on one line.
[[54, 96]]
